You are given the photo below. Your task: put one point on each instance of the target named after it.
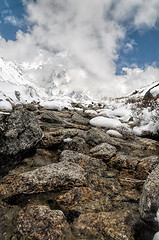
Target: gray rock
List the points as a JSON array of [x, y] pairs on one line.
[[39, 222], [149, 202], [77, 118], [62, 175], [90, 164], [50, 117], [19, 133], [104, 151], [96, 136], [77, 144], [146, 165]]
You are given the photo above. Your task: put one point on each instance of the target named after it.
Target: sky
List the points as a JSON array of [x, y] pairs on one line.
[[108, 47]]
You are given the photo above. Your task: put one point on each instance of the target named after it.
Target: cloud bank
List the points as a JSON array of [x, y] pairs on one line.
[[84, 37]]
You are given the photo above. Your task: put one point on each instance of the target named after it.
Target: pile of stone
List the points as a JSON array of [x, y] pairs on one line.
[[61, 178]]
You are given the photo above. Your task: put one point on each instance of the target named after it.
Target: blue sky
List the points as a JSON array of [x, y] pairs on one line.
[[12, 14], [93, 39], [145, 50]]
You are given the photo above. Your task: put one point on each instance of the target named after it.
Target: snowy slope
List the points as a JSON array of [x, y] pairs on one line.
[[137, 113], [18, 87]]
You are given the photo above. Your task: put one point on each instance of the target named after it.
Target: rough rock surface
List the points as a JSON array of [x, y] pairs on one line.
[[39, 222], [104, 151], [50, 117], [105, 225], [79, 182], [19, 133], [48, 178], [149, 202]]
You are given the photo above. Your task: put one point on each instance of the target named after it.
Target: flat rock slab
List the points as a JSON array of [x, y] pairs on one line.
[[41, 223], [52, 177]]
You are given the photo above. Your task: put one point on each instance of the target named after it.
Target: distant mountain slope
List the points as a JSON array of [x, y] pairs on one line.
[[138, 112]]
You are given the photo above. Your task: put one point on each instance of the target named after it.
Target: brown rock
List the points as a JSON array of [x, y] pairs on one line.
[[121, 161], [83, 200], [146, 165], [41, 223], [105, 225]]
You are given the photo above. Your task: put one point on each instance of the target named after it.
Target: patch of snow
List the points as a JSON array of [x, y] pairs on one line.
[[7, 113], [52, 105], [157, 216], [105, 112], [156, 236], [5, 105], [66, 140], [91, 112], [105, 122], [122, 113], [78, 109], [150, 127], [155, 91], [114, 133]]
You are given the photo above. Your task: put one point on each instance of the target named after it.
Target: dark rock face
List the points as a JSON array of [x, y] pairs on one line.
[[19, 133], [79, 183]]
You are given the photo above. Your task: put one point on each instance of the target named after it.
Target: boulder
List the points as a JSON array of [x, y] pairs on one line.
[[19, 133], [149, 201], [96, 136], [104, 151], [82, 200], [77, 144], [41, 223], [52, 177]]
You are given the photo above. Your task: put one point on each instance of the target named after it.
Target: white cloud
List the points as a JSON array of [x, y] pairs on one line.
[[11, 20], [139, 77], [6, 3], [84, 37]]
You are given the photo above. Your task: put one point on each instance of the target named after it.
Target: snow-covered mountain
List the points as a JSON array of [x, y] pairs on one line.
[[137, 113], [16, 86]]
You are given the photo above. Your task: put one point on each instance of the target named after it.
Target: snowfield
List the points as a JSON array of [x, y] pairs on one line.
[[137, 113]]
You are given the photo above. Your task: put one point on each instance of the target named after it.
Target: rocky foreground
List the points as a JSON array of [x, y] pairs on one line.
[[61, 179]]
